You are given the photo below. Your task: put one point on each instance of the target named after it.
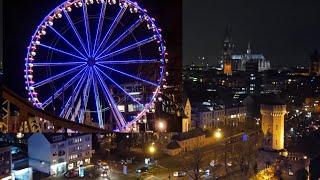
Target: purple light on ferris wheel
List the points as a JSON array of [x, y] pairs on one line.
[[81, 64]]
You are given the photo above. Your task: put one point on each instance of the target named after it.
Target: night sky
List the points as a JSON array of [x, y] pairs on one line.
[[285, 31], [21, 19]]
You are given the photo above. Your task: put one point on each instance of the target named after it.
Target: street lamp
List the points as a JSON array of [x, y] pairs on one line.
[[152, 150], [161, 126], [218, 134]]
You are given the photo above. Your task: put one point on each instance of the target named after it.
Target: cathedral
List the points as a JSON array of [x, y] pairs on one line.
[[231, 61]]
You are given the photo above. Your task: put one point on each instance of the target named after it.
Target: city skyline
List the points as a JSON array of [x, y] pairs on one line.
[[279, 30], [166, 89]]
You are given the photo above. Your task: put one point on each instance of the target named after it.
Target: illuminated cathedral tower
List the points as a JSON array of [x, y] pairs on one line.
[[272, 124], [228, 48]]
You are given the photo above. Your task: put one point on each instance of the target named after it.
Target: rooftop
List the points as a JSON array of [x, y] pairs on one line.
[[188, 135]]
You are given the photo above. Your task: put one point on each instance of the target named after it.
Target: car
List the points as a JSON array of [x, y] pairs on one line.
[[99, 162], [71, 174], [290, 172], [229, 164], [104, 174], [104, 166], [142, 170], [179, 174]]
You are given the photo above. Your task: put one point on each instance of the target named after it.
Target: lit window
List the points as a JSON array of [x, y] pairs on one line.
[[70, 166], [121, 108]]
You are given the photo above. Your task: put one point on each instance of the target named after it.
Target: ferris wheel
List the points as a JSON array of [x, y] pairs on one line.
[[96, 61]]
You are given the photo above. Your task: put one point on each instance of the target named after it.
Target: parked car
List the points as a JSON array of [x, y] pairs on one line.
[[104, 174], [71, 174], [179, 174], [99, 162], [104, 166], [142, 170], [290, 172]]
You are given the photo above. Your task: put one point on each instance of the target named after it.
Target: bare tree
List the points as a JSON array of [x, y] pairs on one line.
[[193, 161]]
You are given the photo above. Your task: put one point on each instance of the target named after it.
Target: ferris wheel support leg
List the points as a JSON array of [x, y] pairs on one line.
[[85, 98], [114, 108], [126, 93], [98, 105], [68, 106], [67, 85]]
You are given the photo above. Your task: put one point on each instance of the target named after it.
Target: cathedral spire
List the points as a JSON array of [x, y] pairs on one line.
[[227, 35], [249, 48]]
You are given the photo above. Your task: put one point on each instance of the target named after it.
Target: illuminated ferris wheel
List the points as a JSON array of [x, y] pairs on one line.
[[96, 61]]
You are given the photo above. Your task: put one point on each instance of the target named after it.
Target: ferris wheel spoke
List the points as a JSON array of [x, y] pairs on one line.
[[67, 109], [100, 25], [130, 61], [58, 76], [61, 51], [128, 48], [113, 106], [56, 64], [87, 25], [64, 87], [124, 91], [122, 37], [75, 31], [85, 97], [97, 100], [111, 29], [129, 75], [60, 35]]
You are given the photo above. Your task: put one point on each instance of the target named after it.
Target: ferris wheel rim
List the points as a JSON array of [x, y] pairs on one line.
[[37, 102]]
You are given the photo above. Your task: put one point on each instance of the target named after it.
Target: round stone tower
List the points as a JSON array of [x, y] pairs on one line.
[[272, 124]]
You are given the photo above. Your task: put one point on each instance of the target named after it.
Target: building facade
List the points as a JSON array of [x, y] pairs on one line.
[[5, 163], [235, 116], [59, 152], [219, 116], [186, 142], [186, 119]]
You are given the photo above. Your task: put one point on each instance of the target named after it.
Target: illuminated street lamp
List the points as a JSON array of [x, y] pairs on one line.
[[218, 134], [161, 126], [152, 149]]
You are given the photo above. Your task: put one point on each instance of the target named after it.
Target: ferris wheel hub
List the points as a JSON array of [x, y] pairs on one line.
[[91, 61]]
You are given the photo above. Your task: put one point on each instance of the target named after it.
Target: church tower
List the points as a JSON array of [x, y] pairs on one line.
[[315, 63], [228, 48], [272, 124]]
